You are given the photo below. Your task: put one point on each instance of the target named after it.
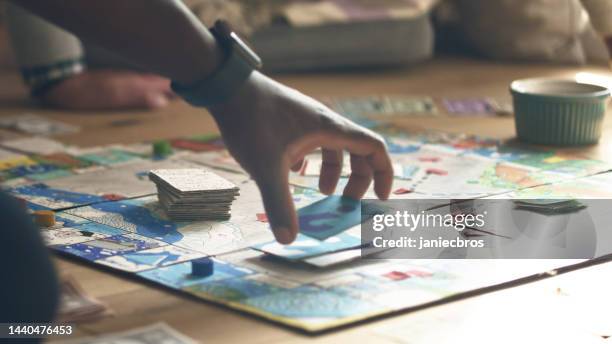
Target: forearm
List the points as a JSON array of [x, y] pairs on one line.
[[45, 53], [162, 36]]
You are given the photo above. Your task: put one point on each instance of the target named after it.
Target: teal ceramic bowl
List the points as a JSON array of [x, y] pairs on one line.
[[558, 112]]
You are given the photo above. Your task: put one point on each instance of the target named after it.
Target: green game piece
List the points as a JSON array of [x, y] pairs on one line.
[[162, 148]]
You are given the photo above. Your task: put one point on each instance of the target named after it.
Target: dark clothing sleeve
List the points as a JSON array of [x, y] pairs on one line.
[[28, 286]]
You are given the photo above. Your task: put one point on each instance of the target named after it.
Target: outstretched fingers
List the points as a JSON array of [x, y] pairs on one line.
[[368, 148]]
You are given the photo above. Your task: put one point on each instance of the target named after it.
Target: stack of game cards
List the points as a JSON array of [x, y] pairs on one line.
[[550, 206], [194, 194]]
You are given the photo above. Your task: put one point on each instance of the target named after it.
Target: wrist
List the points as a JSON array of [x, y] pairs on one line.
[[42, 91], [243, 98], [219, 87], [215, 56], [41, 79]]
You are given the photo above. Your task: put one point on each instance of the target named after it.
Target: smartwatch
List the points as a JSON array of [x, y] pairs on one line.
[[240, 61]]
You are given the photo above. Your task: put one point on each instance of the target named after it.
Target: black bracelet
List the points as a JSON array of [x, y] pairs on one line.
[[40, 79]]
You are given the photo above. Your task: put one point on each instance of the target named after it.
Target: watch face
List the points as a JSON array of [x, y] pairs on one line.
[[230, 40], [246, 52]]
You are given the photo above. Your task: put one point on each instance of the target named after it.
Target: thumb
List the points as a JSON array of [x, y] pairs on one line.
[[273, 184]]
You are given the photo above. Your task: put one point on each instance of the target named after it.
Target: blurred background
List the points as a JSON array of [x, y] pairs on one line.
[[319, 35]]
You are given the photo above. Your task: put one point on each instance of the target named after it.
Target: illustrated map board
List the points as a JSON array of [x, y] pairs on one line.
[[108, 214]]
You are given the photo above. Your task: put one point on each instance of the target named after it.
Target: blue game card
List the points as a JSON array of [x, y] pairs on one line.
[[304, 247], [329, 216]]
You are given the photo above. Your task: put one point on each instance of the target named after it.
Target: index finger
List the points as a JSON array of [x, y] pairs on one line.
[[273, 184]]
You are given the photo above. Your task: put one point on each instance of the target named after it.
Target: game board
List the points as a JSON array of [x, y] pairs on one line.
[[107, 214]]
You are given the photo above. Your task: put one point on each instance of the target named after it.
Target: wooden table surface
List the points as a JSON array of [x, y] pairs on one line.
[[136, 304]]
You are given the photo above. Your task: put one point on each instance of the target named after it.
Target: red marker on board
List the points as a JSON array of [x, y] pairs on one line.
[[429, 159], [402, 191], [437, 171]]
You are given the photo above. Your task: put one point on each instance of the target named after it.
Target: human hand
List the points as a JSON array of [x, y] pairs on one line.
[[269, 128], [109, 89]]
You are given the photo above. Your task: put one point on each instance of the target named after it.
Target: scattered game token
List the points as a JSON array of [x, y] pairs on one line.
[[44, 218], [162, 148], [472, 106], [202, 267], [112, 197], [402, 275], [262, 217], [429, 159], [437, 171], [396, 275], [402, 191], [465, 145]]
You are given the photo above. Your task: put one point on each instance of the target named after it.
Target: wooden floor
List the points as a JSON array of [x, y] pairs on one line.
[[137, 304]]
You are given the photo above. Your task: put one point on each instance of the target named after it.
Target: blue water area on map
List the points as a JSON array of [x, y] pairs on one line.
[[235, 289], [26, 170], [98, 228], [179, 275], [42, 190], [147, 224], [70, 220], [311, 302], [152, 258], [34, 207], [166, 255], [40, 177], [107, 247], [81, 231], [109, 157], [329, 216], [132, 211]]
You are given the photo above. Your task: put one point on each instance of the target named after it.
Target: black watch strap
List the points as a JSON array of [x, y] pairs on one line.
[[239, 63]]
